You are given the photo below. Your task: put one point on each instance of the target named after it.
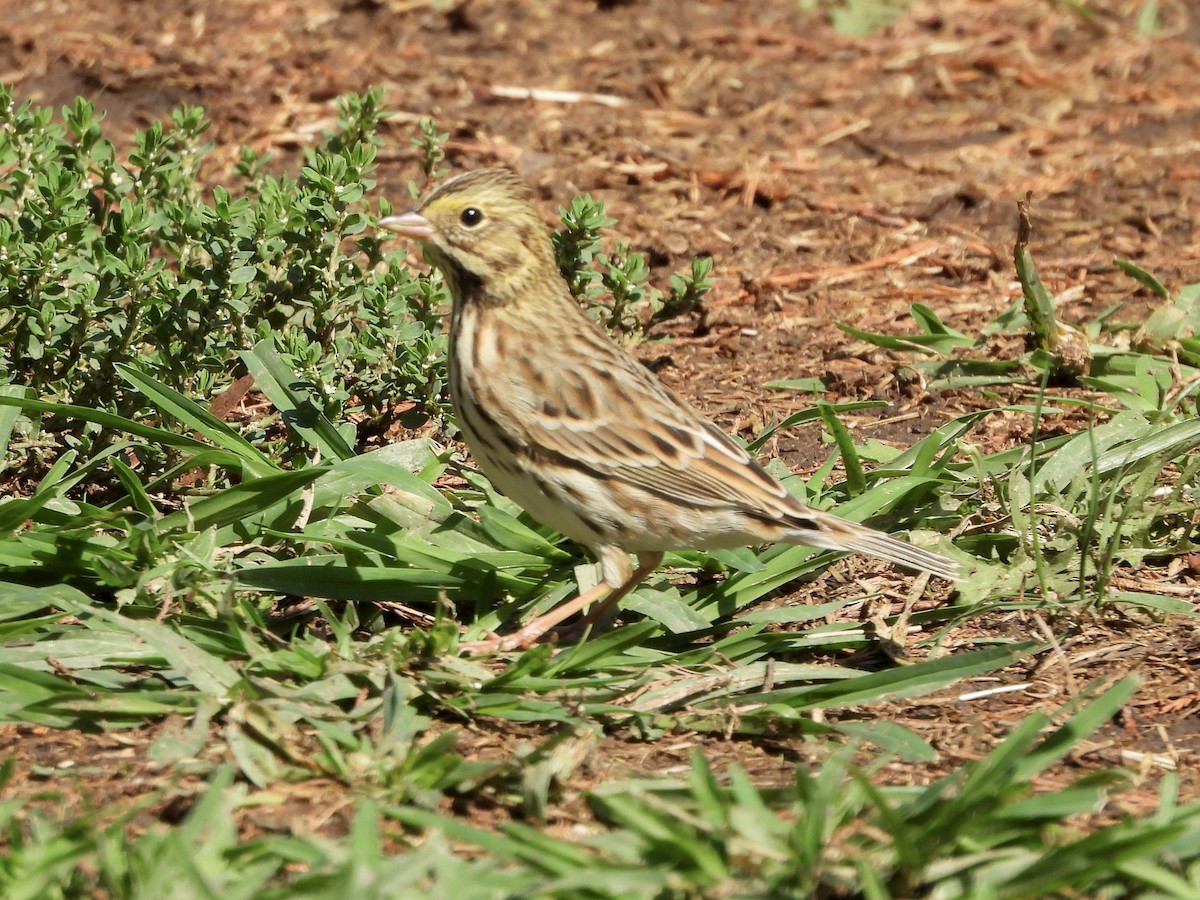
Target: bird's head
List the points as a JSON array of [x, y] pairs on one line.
[[482, 232]]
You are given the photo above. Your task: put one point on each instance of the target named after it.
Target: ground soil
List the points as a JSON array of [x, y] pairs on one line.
[[830, 178]]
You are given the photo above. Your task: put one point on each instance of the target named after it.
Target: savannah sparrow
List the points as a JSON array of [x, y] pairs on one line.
[[578, 432]]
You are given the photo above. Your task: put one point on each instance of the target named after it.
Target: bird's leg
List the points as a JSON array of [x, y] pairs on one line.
[[647, 563], [529, 633]]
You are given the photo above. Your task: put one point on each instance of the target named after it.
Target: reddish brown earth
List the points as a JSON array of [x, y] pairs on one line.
[[830, 178]]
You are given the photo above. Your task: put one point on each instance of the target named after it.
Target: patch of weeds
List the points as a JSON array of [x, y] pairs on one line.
[[1156, 372], [106, 263], [635, 307], [985, 829], [1118, 493], [432, 144]]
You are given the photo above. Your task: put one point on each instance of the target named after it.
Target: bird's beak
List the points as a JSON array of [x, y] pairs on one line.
[[409, 225]]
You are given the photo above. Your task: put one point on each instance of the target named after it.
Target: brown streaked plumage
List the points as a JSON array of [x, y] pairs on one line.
[[576, 430]]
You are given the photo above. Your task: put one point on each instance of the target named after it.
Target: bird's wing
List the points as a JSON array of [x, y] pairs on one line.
[[605, 412]]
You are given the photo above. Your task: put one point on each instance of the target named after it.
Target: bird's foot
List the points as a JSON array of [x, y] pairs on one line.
[[523, 639], [527, 638]]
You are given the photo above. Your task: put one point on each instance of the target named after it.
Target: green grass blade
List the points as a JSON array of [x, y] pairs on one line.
[[196, 417], [293, 400], [9, 414], [242, 500], [105, 419], [856, 481], [900, 682]]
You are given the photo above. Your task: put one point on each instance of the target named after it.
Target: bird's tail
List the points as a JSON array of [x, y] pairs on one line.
[[830, 532]]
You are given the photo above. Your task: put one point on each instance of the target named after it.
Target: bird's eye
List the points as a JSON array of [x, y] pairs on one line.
[[471, 216]]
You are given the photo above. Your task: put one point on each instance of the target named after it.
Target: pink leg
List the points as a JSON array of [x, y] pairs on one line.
[[647, 563], [530, 632]]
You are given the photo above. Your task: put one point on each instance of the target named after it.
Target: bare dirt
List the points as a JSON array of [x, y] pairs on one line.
[[830, 178]]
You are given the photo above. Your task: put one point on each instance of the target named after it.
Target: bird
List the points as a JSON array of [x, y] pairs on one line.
[[578, 432]]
